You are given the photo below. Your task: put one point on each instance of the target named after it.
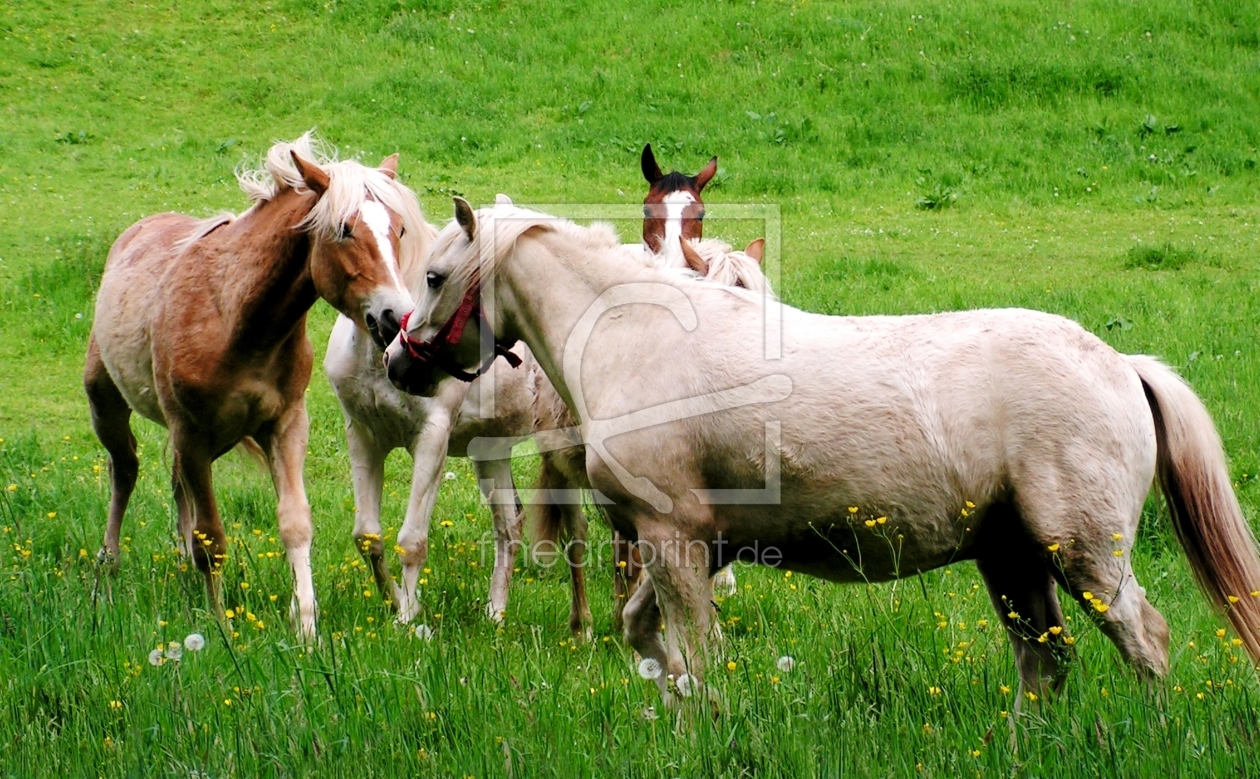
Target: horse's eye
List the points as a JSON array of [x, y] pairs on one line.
[[344, 233], [647, 213], [434, 280], [700, 217], [401, 232]]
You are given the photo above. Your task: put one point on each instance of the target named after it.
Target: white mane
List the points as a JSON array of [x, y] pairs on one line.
[[349, 186]]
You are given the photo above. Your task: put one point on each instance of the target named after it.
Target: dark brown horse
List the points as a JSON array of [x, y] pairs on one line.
[[201, 327], [672, 209]]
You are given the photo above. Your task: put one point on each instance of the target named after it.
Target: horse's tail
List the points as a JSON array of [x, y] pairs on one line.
[[255, 452], [544, 521], [1205, 513]]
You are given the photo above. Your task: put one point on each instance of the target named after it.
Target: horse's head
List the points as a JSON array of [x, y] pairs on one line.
[[443, 335], [673, 208], [363, 224]]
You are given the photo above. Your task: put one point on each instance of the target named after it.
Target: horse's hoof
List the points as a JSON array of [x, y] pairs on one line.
[[495, 614], [107, 561], [407, 611], [724, 583]]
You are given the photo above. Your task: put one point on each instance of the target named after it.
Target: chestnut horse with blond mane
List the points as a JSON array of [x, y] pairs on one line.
[[201, 327]]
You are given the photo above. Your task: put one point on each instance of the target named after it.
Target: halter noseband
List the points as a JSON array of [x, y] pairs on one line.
[[436, 352]]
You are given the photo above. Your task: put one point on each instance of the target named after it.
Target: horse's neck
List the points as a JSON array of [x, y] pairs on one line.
[[550, 293], [267, 281]]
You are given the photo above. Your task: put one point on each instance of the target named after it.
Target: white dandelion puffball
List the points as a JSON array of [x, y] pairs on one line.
[[156, 657], [786, 664], [174, 651], [195, 642], [686, 685], [423, 632], [450, 476], [649, 668], [650, 714]]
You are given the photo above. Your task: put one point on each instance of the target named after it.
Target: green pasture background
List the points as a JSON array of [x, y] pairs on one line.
[[1093, 159]]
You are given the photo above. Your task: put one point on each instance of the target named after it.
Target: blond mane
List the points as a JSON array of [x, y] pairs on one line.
[[350, 183]]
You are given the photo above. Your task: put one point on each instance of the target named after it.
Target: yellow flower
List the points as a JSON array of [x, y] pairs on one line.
[[970, 505], [1013, 615], [1032, 696], [1056, 630], [1118, 553], [115, 705], [1053, 547], [982, 623], [1043, 638], [1069, 640], [1220, 632], [934, 691], [774, 680], [881, 520], [1117, 537], [853, 509], [1104, 692], [244, 585], [52, 515], [1087, 595], [367, 593], [870, 523], [227, 701], [975, 753], [229, 614], [731, 665], [1255, 593], [1004, 689], [1100, 607], [1232, 598]]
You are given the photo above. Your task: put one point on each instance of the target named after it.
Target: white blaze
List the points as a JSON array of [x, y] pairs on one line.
[[374, 215], [675, 203]]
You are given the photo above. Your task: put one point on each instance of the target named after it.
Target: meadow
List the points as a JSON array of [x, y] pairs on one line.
[[1094, 160]]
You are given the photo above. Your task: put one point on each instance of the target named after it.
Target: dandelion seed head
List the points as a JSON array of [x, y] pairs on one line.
[[422, 632], [686, 685], [785, 664], [449, 476], [195, 642], [156, 657], [649, 668]]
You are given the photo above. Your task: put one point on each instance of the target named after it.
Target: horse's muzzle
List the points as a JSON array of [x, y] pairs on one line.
[[383, 329], [408, 374]]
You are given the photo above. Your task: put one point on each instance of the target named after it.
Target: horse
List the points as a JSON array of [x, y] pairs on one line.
[[380, 419], [672, 209], [862, 449], [200, 326], [556, 519]]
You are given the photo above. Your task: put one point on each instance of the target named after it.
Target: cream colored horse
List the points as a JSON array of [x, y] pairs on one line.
[[518, 404], [856, 449], [201, 327]]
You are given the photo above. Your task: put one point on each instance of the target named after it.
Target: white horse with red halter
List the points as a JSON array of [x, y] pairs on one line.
[[862, 449]]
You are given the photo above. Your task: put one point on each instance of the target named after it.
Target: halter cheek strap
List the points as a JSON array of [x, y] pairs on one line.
[[436, 352]]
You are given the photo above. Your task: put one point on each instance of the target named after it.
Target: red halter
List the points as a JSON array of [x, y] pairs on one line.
[[436, 351]]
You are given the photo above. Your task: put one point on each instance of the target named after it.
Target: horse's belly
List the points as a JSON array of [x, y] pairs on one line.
[[128, 356]]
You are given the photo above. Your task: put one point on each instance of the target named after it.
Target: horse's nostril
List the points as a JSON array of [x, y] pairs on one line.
[[371, 322], [389, 320]]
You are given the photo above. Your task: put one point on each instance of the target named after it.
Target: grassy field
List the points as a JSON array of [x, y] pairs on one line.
[[1090, 160]]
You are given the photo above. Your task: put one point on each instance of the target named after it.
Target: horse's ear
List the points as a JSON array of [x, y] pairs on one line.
[[502, 200], [693, 258], [313, 175], [389, 166], [466, 218], [703, 176], [756, 249], [651, 171]]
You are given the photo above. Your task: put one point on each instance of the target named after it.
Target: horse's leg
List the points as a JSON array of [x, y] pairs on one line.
[[1092, 540], [724, 582], [286, 454], [367, 470], [627, 574], [111, 419], [679, 571], [576, 528], [494, 477], [193, 472], [428, 455], [643, 631]]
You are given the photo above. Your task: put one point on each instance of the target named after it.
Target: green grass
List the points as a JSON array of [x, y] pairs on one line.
[[1097, 162]]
